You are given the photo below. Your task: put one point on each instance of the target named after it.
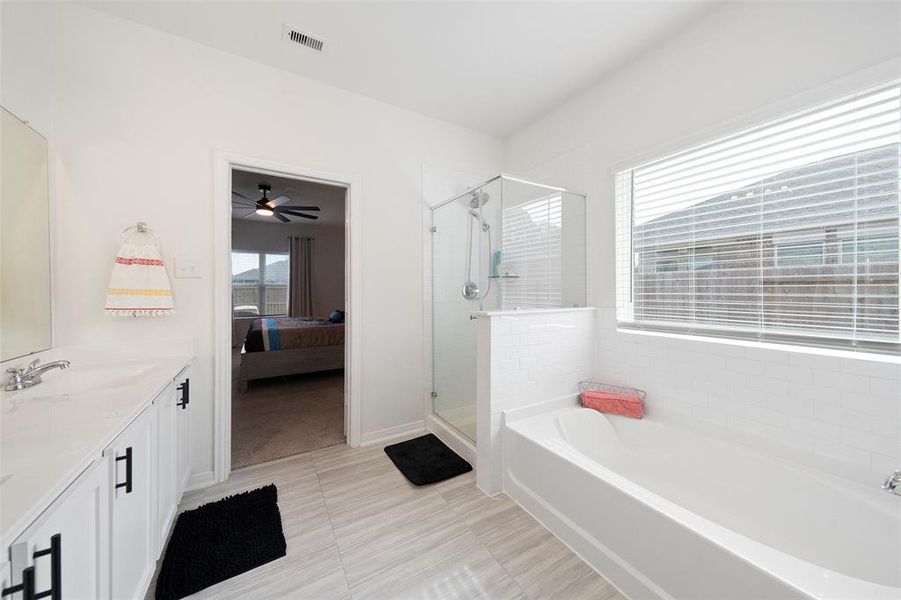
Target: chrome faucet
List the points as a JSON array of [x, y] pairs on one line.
[[892, 483], [19, 379]]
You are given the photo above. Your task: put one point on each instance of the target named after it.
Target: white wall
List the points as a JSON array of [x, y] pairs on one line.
[[328, 255], [743, 63], [135, 118], [26, 62]]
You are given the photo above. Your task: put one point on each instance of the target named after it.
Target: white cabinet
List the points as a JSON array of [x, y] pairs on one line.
[[65, 551], [100, 538], [166, 456], [132, 499], [183, 417], [172, 458]]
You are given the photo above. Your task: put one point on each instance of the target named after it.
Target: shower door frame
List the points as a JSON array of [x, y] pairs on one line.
[[431, 413], [502, 177]]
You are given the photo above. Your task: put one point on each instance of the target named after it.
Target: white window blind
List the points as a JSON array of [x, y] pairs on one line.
[[786, 231], [532, 245]]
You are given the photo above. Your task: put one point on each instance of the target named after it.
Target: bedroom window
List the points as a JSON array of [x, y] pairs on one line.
[[260, 283], [788, 231]]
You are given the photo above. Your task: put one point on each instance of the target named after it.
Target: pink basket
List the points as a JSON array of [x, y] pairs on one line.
[[612, 399]]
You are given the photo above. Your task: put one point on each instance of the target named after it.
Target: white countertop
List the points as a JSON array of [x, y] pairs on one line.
[[52, 432]]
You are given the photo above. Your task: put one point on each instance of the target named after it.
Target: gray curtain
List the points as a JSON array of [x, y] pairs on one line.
[[300, 283]]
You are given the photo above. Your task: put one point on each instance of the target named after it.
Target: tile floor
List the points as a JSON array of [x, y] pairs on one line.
[[357, 529]]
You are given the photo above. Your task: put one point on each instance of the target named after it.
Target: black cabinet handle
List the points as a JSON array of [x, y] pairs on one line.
[[127, 459], [56, 568], [185, 394], [26, 587], [55, 551]]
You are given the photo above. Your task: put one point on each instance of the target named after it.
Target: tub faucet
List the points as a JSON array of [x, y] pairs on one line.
[[892, 483], [19, 379]]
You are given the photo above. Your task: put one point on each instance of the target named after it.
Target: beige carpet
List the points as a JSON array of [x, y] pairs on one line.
[[287, 415]]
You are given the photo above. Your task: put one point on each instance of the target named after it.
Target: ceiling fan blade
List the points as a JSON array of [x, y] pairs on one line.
[[240, 195], [300, 207], [243, 202], [248, 213], [279, 201], [281, 217], [297, 214]]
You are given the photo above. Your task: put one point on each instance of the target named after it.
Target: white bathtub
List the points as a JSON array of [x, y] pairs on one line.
[[666, 513]]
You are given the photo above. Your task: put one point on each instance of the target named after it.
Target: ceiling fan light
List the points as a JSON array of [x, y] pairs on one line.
[[264, 212]]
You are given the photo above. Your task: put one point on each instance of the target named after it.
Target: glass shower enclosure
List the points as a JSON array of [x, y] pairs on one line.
[[508, 244]]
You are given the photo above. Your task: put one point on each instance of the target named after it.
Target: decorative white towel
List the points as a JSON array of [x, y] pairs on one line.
[[139, 284]]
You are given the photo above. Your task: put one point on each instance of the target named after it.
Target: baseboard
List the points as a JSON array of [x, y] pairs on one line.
[[454, 440], [200, 480], [374, 438]]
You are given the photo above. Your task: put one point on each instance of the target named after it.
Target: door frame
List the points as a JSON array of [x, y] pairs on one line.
[[224, 163]]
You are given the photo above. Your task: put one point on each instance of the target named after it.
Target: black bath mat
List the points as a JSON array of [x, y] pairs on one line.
[[426, 460], [220, 540]]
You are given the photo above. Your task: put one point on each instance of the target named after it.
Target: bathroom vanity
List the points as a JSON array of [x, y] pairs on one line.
[[94, 440], [94, 462]]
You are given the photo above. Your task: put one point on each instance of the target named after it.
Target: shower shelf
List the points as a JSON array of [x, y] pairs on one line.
[[507, 276]]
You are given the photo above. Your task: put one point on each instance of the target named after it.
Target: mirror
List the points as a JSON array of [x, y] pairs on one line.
[[24, 240]]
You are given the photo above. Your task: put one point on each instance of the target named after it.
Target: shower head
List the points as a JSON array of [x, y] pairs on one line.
[[474, 201]]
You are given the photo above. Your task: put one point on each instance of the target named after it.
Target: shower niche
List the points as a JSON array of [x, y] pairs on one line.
[[506, 245]]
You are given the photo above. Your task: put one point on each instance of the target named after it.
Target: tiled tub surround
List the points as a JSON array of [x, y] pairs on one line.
[[50, 433], [832, 410], [665, 512], [524, 358]]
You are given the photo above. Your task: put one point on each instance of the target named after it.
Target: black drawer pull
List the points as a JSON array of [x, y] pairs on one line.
[[185, 389], [56, 568], [26, 587], [55, 551], [127, 459]]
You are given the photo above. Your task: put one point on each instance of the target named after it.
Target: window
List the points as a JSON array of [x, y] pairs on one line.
[[881, 250], [800, 254], [260, 283], [533, 252], [788, 231]]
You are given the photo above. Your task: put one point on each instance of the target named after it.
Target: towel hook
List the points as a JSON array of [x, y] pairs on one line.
[[140, 227]]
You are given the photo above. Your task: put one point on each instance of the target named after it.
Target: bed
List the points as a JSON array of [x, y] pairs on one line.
[[277, 346]]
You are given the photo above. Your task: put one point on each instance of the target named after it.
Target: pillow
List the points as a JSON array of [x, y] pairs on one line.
[[336, 316]]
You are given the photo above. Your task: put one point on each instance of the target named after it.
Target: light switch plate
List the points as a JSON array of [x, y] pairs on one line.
[[187, 267]]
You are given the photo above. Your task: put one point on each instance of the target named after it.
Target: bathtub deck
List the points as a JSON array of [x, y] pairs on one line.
[[356, 529]]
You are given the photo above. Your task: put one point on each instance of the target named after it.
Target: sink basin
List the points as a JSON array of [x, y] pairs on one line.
[[101, 377], [92, 377]]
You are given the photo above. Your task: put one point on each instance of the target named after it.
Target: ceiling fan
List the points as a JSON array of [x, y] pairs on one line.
[[271, 208]]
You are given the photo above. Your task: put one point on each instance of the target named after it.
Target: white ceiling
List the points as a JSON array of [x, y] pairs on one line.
[[489, 66], [329, 198]]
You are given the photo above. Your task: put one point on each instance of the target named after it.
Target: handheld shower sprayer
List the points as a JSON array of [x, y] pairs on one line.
[[471, 289]]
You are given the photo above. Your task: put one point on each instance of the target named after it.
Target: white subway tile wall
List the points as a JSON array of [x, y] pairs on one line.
[[523, 360], [835, 412]]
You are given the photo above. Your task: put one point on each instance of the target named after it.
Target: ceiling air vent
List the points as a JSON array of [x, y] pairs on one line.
[[292, 34]]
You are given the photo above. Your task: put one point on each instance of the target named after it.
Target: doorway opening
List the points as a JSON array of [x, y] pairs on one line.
[[287, 293]]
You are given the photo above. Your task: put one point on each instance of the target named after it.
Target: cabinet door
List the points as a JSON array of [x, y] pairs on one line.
[[130, 460], [6, 576], [166, 459], [184, 411], [66, 549]]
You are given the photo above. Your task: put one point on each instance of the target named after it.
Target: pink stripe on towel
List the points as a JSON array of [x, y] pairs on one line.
[[613, 403]]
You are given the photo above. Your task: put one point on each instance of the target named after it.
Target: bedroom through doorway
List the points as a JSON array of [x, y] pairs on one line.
[[287, 297]]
